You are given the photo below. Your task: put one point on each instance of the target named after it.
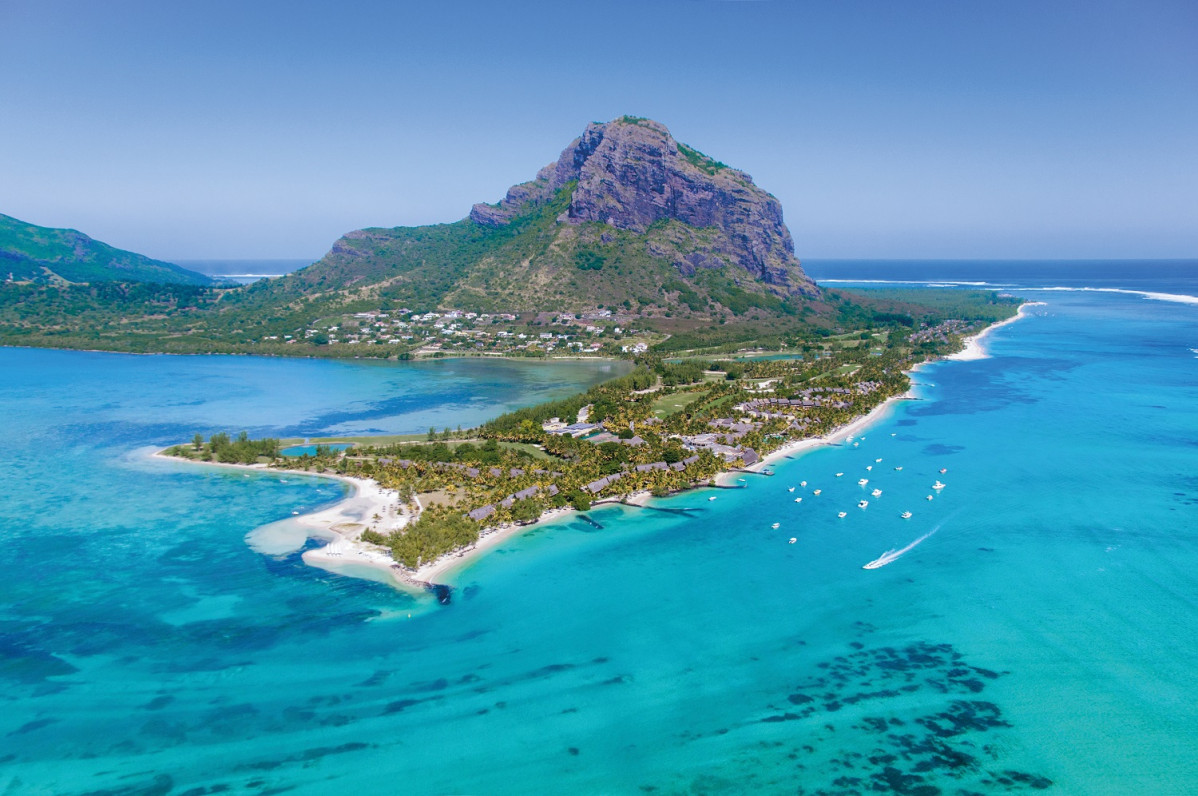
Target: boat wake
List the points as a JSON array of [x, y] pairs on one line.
[[894, 555]]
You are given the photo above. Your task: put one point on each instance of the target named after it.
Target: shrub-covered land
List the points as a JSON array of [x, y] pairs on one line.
[[666, 426]]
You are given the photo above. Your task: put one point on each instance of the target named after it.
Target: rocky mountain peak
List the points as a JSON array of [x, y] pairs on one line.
[[630, 173]]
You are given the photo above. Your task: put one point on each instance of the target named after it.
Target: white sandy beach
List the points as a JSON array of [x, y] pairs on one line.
[[973, 345], [371, 506], [836, 435], [973, 350], [340, 525]]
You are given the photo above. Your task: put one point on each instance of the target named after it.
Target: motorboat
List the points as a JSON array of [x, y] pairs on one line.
[[877, 461], [906, 515], [816, 492], [798, 500], [869, 467], [842, 514], [929, 497], [943, 470], [899, 467], [839, 474], [863, 482], [802, 483], [791, 489], [713, 497], [793, 540], [776, 525], [877, 493], [938, 485], [862, 504]]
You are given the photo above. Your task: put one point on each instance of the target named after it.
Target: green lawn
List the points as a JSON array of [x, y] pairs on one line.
[[669, 404]]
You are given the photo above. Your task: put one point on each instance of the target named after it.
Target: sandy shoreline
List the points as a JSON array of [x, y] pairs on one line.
[[836, 435], [974, 349], [342, 523]]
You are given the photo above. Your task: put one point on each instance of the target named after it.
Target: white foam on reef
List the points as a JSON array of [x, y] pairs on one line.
[[1178, 298], [940, 283]]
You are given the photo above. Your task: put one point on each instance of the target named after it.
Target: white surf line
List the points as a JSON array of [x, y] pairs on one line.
[[925, 282], [892, 555], [1180, 298]]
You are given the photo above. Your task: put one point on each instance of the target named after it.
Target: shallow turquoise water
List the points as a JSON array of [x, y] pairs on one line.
[[1044, 633], [310, 450]]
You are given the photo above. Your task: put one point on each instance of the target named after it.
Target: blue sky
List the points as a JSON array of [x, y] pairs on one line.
[[887, 129]]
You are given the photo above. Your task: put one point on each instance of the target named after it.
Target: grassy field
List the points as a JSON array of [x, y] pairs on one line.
[[669, 404]]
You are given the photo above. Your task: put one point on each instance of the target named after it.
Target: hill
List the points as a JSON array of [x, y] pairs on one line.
[[29, 253], [625, 217], [628, 242]]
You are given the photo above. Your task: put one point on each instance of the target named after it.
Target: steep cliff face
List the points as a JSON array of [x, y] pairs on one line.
[[630, 174]]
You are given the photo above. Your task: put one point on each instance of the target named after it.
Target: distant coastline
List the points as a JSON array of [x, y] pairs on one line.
[[341, 524]]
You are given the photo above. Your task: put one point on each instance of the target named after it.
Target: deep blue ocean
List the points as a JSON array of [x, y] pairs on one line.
[[1042, 638]]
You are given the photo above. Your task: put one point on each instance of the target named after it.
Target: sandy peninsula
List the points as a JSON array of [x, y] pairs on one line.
[[369, 505]]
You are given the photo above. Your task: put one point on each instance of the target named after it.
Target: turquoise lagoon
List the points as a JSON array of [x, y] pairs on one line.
[[1042, 638]]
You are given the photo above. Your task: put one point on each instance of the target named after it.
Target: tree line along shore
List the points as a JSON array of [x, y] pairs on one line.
[[667, 426]]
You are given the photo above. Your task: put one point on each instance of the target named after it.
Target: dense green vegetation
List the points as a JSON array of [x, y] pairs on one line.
[[237, 450], [701, 161], [47, 255], [655, 434], [437, 531]]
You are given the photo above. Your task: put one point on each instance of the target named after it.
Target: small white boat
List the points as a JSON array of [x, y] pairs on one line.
[[839, 474], [712, 497], [863, 482], [938, 485], [295, 512], [798, 500], [842, 514], [740, 479], [855, 444], [791, 489], [776, 525], [929, 497], [906, 515], [816, 492], [899, 467], [793, 540], [802, 483], [862, 504], [893, 434], [943, 470], [877, 493], [877, 461], [869, 467]]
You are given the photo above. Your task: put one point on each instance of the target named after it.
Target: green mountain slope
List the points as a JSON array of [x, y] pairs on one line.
[[629, 241], [626, 217], [30, 253]]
